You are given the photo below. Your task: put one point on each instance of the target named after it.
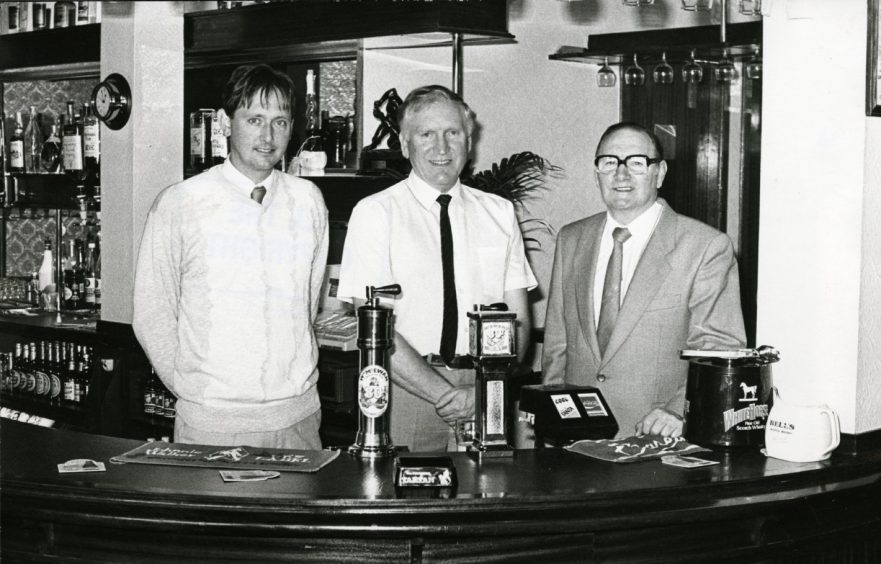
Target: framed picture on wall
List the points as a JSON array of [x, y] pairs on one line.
[[873, 72]]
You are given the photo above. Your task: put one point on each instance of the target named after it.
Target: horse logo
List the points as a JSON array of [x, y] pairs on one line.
[[749, 392]]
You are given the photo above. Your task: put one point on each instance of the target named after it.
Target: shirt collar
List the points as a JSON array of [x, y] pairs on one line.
[[242, 183], [642, 225], [426, 194]]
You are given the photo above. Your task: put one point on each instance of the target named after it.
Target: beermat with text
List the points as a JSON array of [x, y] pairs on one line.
[[237, 458], [634, 449]]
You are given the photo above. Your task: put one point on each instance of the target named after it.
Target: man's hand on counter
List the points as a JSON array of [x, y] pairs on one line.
[[457, 403], [661, 422]]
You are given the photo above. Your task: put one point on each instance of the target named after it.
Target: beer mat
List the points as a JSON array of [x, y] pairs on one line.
[[229, 458], [634, 449]]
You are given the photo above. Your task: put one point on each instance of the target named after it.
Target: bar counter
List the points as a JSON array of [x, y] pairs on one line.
[[546, 503]]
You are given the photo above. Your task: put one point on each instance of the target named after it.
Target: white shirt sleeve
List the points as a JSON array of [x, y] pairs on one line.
[[366, 260]]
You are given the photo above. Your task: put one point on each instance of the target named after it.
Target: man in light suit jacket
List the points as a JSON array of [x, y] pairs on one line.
[[678, 290]]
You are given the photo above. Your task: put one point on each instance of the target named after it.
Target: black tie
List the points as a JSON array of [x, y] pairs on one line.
[[257, 194], [611, 302], [451, 317]]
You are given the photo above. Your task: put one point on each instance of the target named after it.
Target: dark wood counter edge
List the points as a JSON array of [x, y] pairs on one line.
[[568, 511], [827, 508]]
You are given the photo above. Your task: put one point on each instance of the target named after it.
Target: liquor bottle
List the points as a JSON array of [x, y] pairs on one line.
[[91, 145], [70, 377], [90, 276], [71, 296], [47, 269], [99, 289], [72, 145], [16, 146], [33, 142], [14, 373], [313, 159], [150, 393], [79, 275], [30, 374], [219, 147], [65, 14], [50, 154], [200, 139], [43, 384], [55, 373]]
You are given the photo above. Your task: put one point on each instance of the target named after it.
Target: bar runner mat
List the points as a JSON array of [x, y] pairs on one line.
[[634, 449], [236, 458]]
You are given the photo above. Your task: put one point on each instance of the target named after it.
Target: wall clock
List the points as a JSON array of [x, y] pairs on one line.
[[113, 101]]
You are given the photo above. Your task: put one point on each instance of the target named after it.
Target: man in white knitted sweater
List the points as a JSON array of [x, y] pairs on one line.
[[228, 281]]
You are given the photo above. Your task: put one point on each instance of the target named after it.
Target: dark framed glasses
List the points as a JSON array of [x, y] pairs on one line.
[[636, 164]]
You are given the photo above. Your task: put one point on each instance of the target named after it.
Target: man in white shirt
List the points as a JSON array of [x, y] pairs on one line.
[[228, 279], [394, 237], [619, 322]]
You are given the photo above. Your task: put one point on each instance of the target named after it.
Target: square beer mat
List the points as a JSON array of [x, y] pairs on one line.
[[237, 458]]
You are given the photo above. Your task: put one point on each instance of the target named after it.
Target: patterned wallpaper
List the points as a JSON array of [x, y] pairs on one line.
[[338, 87], [27, 229]]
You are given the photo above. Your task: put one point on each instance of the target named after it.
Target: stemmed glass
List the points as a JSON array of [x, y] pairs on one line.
[[726, 71], [692, 72], [634, 75], [664, 72], [753, 69], [606, 76]]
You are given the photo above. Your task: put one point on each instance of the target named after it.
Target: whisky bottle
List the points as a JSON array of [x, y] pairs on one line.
[[90, 276], [33, 142], [72, 144], [50, 154], [16, 146], [91, 145], [79, 276], [312, 158], [97, 269], [219, 148]]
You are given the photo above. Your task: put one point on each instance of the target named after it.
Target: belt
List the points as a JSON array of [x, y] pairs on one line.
[[458, 362]]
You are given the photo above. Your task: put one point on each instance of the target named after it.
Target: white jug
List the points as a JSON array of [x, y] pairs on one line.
[[800, 433]]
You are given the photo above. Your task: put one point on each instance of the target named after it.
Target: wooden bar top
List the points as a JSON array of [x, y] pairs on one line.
[[539, 502]]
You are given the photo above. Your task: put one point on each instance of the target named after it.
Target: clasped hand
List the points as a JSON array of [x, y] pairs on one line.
[[456, 403], [661, 422]]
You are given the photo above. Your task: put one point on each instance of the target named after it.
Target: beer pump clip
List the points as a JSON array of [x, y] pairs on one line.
[[375, 338], [493, 347]]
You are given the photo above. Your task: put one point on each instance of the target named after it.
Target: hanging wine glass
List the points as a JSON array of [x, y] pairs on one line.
[[753, 69], [726, 71], [634, 75], [606, 76], [637, 2], [664, 72], [697, 5], [750, 7], [692, 72]]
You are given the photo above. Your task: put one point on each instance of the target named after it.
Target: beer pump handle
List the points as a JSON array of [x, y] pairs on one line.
[[390, 290]]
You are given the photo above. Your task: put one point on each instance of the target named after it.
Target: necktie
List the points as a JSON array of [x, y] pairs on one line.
[[257, 194], [612, 289], [451, 317]]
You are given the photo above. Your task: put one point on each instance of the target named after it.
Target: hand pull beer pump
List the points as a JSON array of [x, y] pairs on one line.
[[375, 338], [493, 346]]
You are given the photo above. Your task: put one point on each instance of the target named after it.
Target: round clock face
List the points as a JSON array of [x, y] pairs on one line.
[[113, 101], [103, 101]]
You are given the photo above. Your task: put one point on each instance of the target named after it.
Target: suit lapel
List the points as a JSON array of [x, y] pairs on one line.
[[584, 268], [651, 270]]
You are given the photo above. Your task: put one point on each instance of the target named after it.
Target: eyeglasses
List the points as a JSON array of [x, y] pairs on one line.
[[636, 164]]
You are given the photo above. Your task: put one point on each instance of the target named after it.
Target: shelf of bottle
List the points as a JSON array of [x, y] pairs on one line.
[[48, 190]]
